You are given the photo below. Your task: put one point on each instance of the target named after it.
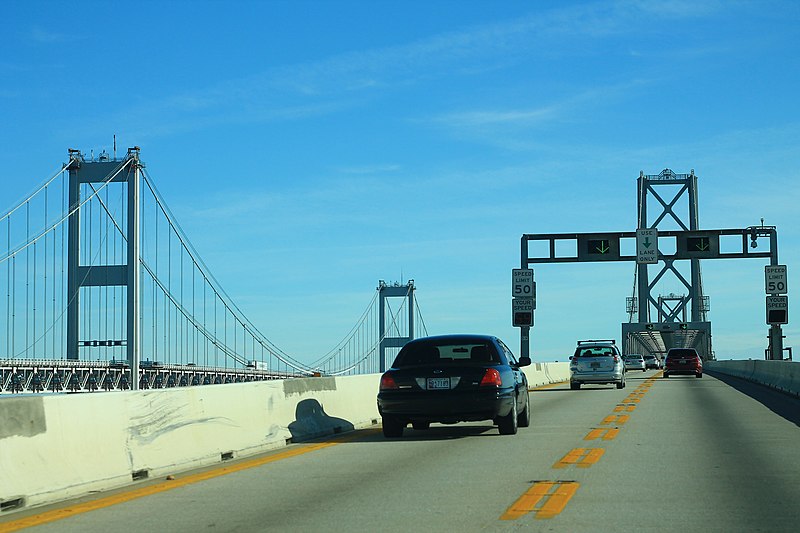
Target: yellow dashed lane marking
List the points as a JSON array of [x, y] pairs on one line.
[[620, 408], [602, 433], [615, 419], [100, 503], [581, 457], [545, 498]]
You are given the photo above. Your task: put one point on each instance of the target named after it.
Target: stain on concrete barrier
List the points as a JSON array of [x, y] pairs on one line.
[[303, 385], [22, 417]]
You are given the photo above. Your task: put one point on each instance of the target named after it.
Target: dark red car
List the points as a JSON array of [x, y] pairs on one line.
[[683, 361]]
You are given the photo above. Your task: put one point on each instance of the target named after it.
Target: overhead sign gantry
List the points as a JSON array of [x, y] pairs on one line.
[[690, 243]]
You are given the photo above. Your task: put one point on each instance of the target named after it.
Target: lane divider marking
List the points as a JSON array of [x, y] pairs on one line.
[[108, 501], [580, 457], [550, 496], [615, 419], [602, 433], [623, 407]]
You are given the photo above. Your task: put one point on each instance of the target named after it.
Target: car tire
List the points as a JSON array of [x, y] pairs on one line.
[[574, 386], [644, 370], [507, 425], [621, 384], [699, 375], [666, 375], [392, 427], [524, 418], [421, 426]]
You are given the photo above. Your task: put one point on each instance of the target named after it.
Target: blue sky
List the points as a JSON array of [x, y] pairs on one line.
[[309, 149]]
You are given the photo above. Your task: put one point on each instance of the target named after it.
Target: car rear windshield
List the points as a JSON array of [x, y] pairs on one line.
[[595, 351], [681, 353], [429, 353]]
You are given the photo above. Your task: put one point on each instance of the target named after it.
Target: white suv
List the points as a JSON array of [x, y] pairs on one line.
[[596, 361]]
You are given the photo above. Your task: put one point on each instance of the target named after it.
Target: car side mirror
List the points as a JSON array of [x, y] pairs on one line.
[[524, 361], [570, 358]]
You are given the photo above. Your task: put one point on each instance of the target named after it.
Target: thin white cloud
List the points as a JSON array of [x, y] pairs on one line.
[[40, 35], [328, 85]]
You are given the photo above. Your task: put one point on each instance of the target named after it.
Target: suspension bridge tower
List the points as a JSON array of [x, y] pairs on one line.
[[394, 336], [79, 275]]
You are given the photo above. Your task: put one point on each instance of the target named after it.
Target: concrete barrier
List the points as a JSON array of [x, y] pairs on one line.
[[58, 446], [780, 375], [545, 373]]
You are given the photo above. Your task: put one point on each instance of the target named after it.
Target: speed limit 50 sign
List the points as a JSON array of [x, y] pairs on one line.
[[775, 279], [522, 285]]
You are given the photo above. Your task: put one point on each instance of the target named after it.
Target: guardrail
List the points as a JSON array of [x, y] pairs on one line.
[[65, 376]]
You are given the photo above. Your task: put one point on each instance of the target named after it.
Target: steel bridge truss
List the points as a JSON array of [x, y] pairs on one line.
[[30, 376]]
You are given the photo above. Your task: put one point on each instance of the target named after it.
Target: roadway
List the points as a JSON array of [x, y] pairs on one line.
[[663, 455]]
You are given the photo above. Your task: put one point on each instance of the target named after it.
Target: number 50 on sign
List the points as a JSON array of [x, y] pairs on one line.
[[522, 285]]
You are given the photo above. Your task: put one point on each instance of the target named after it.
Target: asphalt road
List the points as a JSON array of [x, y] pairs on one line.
[[677, 454]]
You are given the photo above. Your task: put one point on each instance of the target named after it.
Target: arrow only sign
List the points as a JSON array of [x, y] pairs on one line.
[[647, 245]]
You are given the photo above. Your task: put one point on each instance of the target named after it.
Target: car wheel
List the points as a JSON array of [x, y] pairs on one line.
[[699, 375], [524, 418], [574, 385], [644, 370], [419, 425], [392, 427], [508, 424], [621, 384], [666, 375]]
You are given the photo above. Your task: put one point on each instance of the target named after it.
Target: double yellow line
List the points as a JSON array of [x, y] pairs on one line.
[[546, 499]]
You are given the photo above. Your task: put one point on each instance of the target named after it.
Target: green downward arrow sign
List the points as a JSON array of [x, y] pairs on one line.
[[604, 247], [647, 242]]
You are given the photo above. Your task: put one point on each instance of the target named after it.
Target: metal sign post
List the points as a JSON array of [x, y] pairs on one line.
[[523, 303]]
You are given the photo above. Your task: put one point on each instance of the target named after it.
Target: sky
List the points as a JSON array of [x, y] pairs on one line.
[[309, 149]]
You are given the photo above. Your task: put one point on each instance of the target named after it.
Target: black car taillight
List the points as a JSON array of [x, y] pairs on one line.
[[387, 382], [491, 378]]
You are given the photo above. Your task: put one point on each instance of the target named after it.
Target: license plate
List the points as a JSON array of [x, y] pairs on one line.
[[595, 365], [683, 361], [438, 383]]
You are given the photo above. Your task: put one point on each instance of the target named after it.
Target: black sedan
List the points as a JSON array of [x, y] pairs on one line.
[[454, 378]]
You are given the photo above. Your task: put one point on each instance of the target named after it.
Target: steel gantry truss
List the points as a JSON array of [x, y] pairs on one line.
[[671, 329]]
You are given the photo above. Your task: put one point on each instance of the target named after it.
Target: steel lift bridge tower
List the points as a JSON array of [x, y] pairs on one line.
[[671, 329]]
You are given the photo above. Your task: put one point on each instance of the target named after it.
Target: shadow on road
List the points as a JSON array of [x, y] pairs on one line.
[[783, 405]]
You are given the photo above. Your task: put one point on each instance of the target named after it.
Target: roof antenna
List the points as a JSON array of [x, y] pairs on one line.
[[115, 147]]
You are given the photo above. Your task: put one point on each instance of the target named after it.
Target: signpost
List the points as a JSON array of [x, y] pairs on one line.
[[775, 279], [646, 246], [523, 293]]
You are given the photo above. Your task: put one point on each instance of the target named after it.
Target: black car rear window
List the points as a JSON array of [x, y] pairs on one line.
[[429, 353]]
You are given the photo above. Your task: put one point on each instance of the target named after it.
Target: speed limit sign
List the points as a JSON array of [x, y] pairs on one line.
[[775, 279], [522, 285]]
